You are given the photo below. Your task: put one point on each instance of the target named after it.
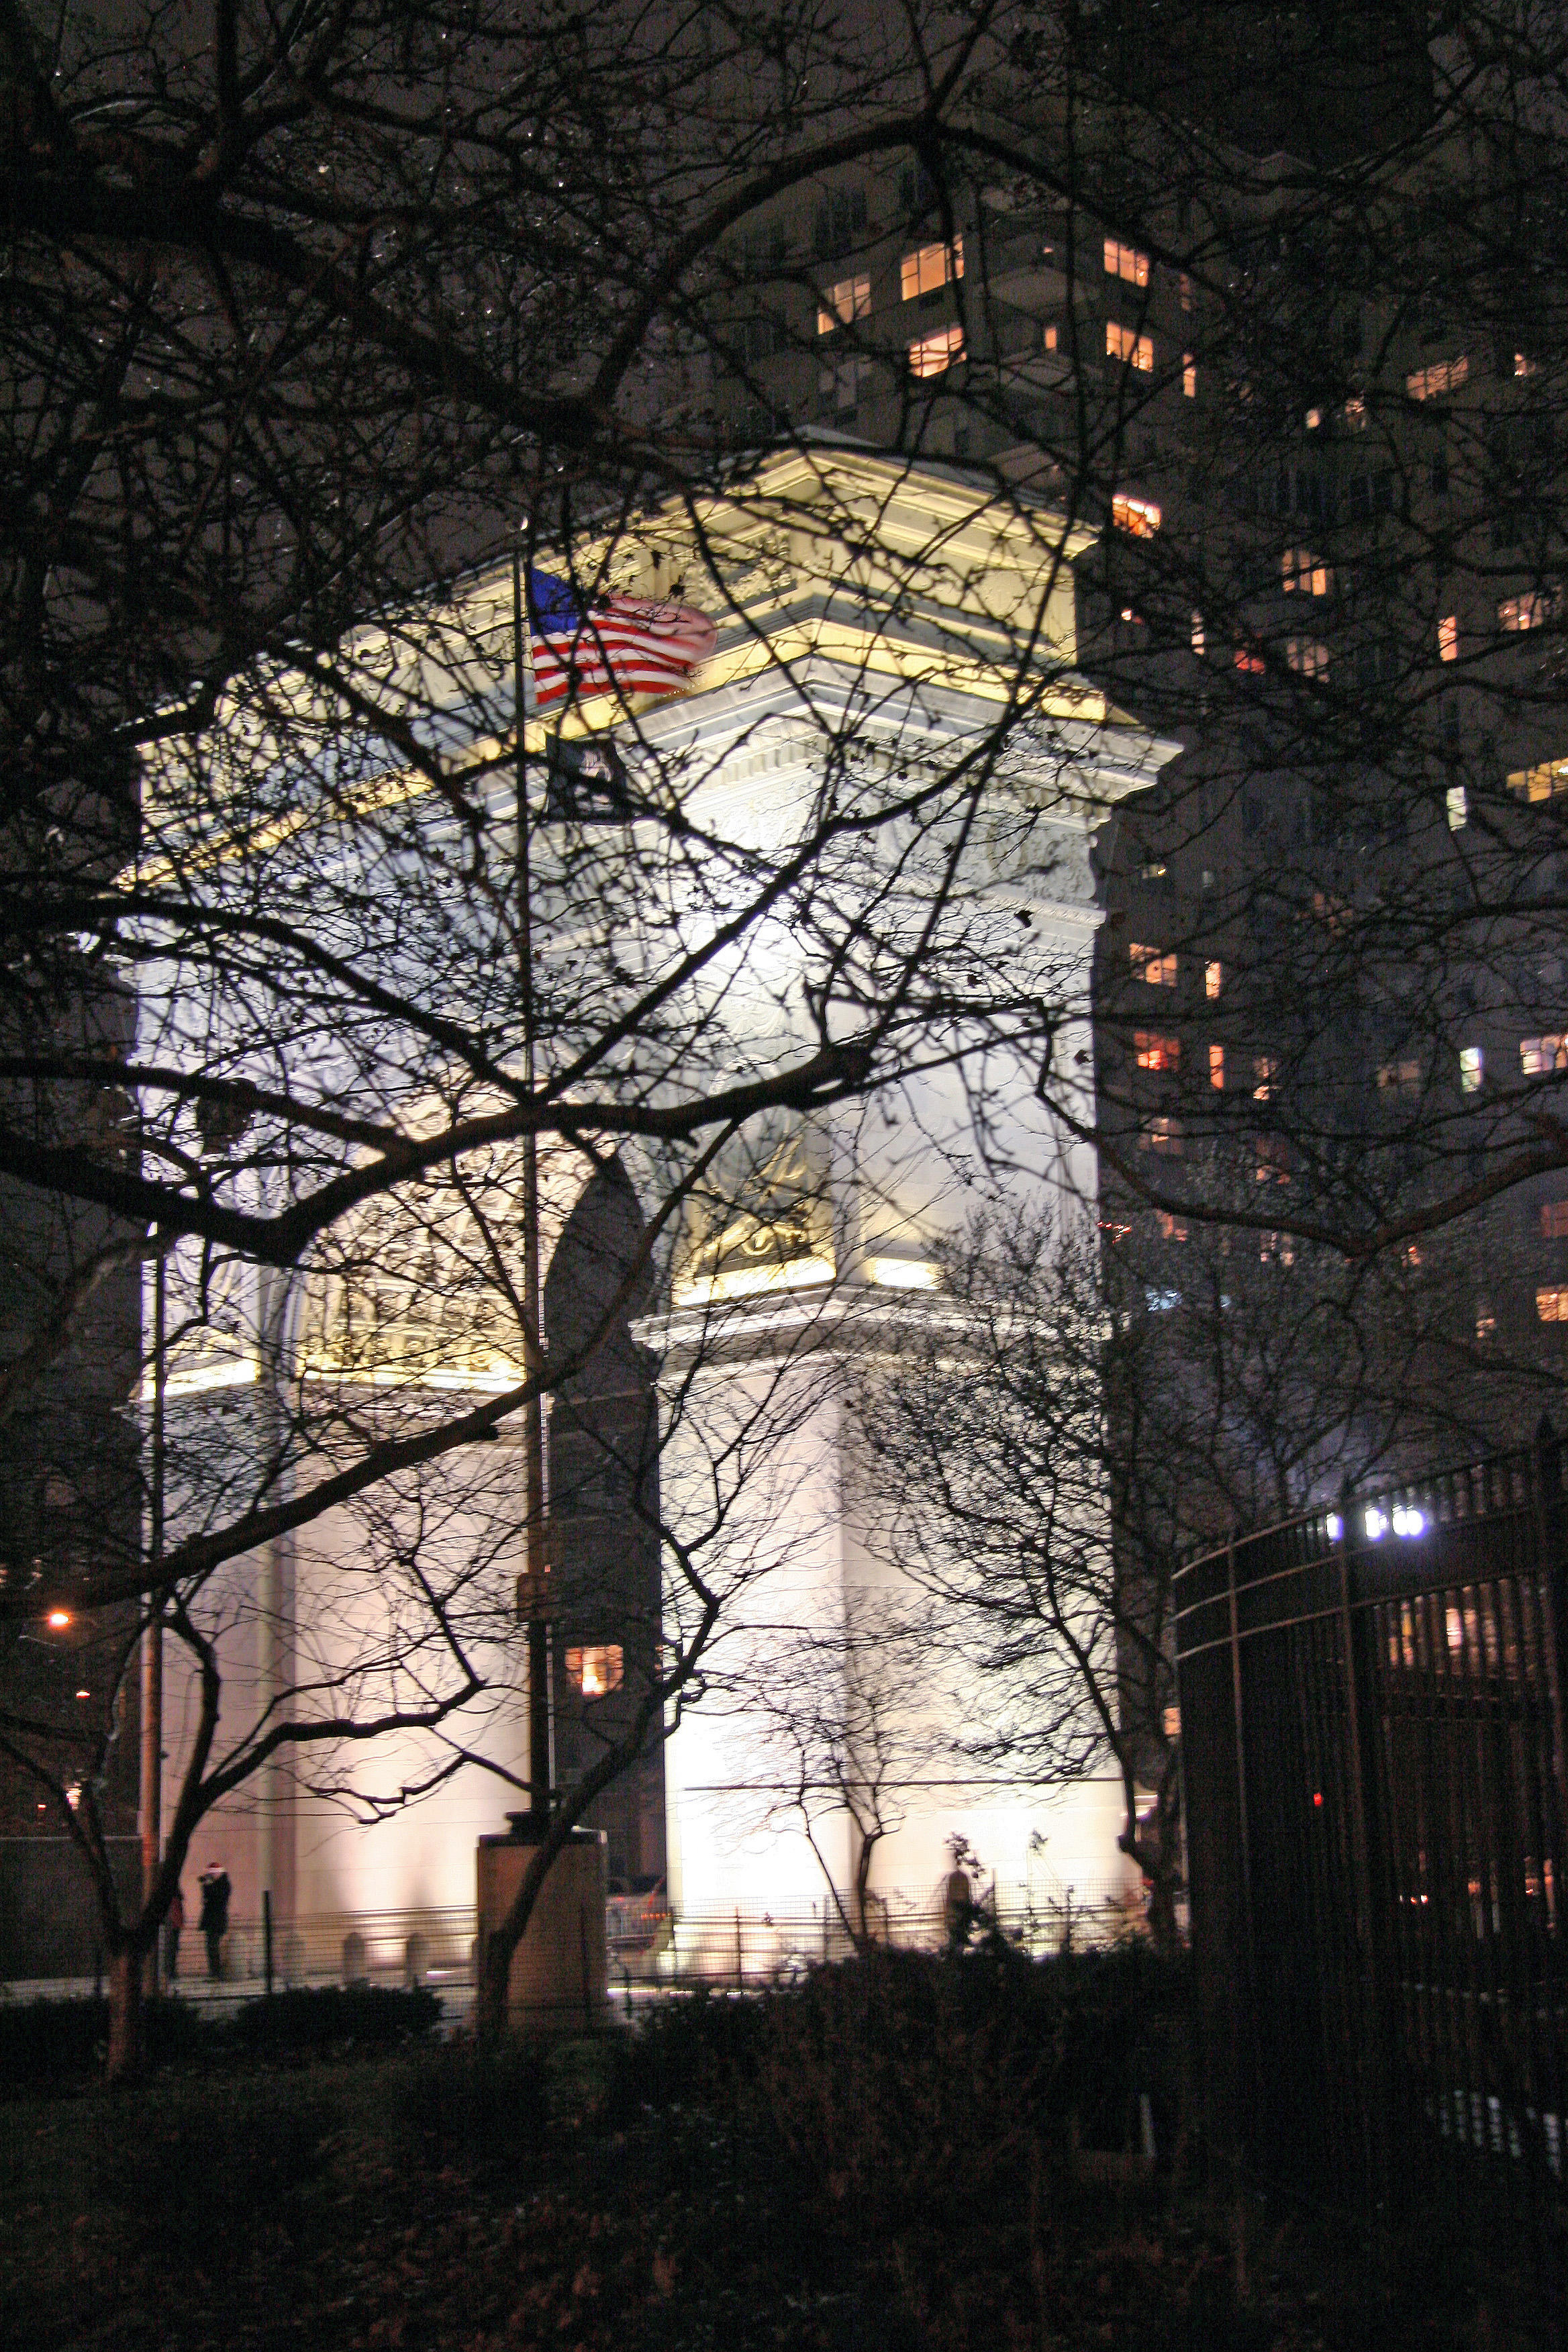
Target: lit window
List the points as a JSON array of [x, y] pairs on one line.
[[1443, 375], [1051, 337], [849, 299], [1156, 1051], [1526, 612], [1126, 344], [1251, 664], [596, 1670], [1552, 1305], [1214, 980], [1189, 375], [1139, 516], [1271, 1166], [1523, 366], [1458, 808], [1217, 1066], [1486, 1321], [1125, 261], [1198, 638], [1161, 1135], [1276, 1249], [1399, 1078], [1172, 1229], [1448, 637], [1265, 1070], [1307, 655], [931, 267], [1554, 1221], [934, 354], [1355, 413], [1540, 1056], [1542, 783], [1155, 965], [1471, 1069], [1300, 572]]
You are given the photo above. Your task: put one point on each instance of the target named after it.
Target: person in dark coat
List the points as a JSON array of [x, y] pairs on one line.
[[212, 1923]]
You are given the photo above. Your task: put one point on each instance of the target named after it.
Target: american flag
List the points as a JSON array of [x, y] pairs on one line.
[[615, 644]]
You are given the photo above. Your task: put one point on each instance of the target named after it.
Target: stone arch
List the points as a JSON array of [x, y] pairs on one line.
[[603, 1511]]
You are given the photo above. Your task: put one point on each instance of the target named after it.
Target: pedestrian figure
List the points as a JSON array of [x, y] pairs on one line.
[[174, 1920], [214, 1922]]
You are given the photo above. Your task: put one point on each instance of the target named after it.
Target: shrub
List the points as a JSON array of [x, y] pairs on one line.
[[49, 2042], [334, 2017]]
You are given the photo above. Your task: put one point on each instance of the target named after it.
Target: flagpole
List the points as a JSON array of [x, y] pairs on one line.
[[533, 1596]]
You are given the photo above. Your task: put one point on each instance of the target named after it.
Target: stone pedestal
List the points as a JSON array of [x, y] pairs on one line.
[[558, 1972]]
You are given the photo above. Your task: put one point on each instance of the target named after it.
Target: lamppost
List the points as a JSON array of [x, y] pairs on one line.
[[533, 1600], [150, 1805]]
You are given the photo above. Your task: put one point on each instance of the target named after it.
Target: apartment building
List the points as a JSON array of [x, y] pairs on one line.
[[1310, 400]]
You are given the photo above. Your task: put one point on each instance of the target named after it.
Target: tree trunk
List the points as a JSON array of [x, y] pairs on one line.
[[127, 2036]]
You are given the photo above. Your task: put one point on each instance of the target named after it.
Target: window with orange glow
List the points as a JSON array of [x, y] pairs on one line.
[[1539, 1056], [1443, 375], [1126, 261], [1156, 1051], [934, 354], [596, 1669], [1542, 783], [1301, 572], [1155, 965], [1140, 516], [924, 271], [1127, 344]]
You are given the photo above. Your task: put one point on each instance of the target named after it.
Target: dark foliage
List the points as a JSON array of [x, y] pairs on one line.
[[55, 2044], [334, 2017], [49, 2043]]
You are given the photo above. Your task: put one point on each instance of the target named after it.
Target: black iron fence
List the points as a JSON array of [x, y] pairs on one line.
[[1371, 1707]]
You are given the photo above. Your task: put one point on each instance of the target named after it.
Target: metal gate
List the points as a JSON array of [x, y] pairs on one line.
[[1371, 1707]]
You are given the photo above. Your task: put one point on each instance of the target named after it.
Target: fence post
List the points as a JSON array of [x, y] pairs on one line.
[[1240, 1737], [1548, 1484], [1374, 2076], [266, 1938]]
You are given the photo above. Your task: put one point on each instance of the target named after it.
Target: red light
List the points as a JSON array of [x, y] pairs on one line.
[[1317, 1797]]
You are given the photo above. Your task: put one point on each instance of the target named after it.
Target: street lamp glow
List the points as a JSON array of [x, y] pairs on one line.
[[60, 1618]]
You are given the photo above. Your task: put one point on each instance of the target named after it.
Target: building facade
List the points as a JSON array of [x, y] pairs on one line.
[[705, 1401]]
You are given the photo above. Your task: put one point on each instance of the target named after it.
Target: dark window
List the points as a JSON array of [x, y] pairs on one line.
[[840, 218], [917, 190]]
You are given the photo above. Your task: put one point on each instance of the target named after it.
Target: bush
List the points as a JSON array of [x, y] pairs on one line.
[[334, 2017], [484, 2107], [51, 2045], [901, 2082], [49, 2042]]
